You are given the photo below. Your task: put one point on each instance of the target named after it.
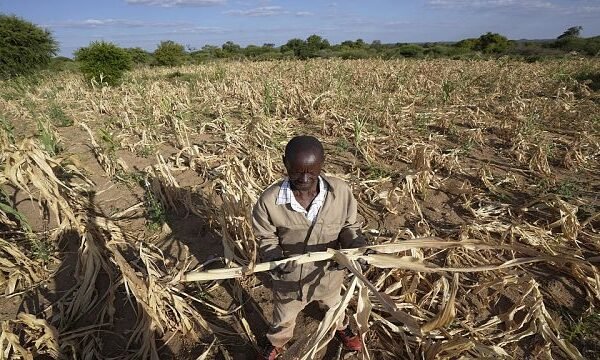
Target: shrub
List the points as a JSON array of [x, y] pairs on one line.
[[589, 77], [169, 53], [492, 43], [103, 61], [410, 50], [587, 46], [352, 54], [61, 63], [139, 56], [24, 47]]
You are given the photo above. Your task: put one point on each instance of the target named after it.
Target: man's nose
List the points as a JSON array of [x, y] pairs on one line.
[[305, 177]]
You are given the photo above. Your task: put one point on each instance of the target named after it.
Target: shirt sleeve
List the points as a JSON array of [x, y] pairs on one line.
[[265, 233], [351, 235]]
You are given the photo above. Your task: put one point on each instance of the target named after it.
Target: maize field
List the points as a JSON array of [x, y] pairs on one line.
[[125, 211]]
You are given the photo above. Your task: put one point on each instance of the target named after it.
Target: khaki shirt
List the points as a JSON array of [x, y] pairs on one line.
[[282, 232]]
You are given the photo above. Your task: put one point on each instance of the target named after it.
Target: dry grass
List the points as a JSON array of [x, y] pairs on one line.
[[477, 196]]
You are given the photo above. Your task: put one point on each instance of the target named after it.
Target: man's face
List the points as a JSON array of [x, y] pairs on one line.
[[304, 169]]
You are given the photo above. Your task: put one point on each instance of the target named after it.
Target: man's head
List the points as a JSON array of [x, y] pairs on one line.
[[303, 160]]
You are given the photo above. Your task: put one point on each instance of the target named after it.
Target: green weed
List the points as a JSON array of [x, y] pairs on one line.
[[146, 150], [40, 249], [184, 77], [359, 127], [375, 171], [7, 129], [342, 144], [447, 89], [48, 138], [587, 325], [156, 214], [421, 123], [567, 189], [467, 146], [109, 143], [58, 116], [268, 99], [530, 124]]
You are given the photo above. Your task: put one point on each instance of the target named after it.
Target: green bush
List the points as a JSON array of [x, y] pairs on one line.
[[169, 53], [492, 43], [352, 54], [61, 63], [589, 77], [139, 56], [587, 46], [24, 47], [104, 62]]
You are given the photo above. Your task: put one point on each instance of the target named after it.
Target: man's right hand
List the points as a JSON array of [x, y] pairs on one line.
[[285, 268]]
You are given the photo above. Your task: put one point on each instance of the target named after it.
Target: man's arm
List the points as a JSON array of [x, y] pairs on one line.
[[351, 235], [265, 233]]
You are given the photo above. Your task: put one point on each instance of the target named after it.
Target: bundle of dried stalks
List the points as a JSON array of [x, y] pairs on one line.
[[28, 166], [110, 164], [28, 338], [19, 271]]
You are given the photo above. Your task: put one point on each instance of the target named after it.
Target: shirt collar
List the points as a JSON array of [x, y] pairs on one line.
[[286, 195]]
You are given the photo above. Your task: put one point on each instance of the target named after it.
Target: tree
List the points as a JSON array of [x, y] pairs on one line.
[[169, 53], [360, 44], [254, 51], [314, 44], [492, 43], [24, 47], [231, 48], [376, 44], [317, 43], [297, 46], [410, 50], [103, 61], [139, 55], [468, 44], [572, 32]]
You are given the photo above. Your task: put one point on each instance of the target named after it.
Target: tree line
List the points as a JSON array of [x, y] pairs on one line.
[[489, 44], [25, 48]]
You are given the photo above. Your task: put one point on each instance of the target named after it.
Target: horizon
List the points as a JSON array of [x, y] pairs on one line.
[[195, 23]]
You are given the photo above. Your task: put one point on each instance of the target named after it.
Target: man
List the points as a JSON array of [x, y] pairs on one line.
[[306, 212]]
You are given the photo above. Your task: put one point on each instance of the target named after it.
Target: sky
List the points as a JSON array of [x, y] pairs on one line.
[[195, 23]]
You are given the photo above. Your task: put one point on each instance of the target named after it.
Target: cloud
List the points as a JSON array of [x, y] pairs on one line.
[[99, 23], [581, 8], [156, 35], [259, 11], [491, 4], [173, 3], [304, 13]]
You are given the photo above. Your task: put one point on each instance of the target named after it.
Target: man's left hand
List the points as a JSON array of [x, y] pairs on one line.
[[364, 265]]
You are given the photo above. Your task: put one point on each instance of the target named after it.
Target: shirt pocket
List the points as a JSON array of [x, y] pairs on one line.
[[330, 232]]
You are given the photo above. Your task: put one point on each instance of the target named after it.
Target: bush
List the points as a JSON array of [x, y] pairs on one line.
[[24, 47], [353, 54], [61, 63], [492, 43], [589, 77], [139, 56], [587, 46], [103, 61], [402, 51], [169, 53]]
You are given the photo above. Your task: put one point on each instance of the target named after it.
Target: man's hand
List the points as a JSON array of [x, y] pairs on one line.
[[334, 266], [285, 268], [364, 266]]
